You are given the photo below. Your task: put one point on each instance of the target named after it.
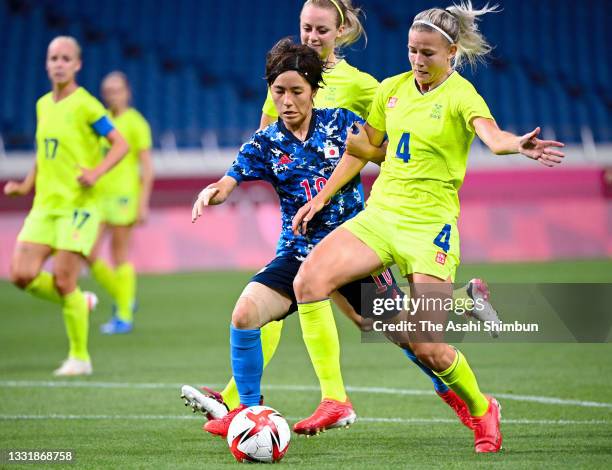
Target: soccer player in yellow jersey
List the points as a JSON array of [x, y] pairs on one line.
[[123, 199], [430, 115], [326, 26], [64, 220]]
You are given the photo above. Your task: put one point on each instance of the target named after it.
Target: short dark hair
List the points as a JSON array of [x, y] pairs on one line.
[[286, 55]]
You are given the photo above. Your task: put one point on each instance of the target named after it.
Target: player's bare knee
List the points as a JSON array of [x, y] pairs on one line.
[[244, 316], [21, 277], [65, 282], [308, 287]]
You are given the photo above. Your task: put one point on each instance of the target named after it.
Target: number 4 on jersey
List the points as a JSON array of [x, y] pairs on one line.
[[403, 148]]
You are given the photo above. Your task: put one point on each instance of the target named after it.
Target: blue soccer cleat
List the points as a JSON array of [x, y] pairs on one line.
[[115, 326]]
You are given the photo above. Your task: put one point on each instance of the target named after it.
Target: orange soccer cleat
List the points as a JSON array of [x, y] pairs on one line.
[[328, 415], [487, 433], [459, 407]]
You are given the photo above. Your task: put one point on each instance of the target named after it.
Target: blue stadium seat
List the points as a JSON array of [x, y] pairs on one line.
[[198, 65]]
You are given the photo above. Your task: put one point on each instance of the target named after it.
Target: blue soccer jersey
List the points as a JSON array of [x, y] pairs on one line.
[[298, 170]]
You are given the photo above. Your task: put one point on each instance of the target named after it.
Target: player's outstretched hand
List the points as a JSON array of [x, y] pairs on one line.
[[305, 214], [541, 150], [88, 177], [15, 188], [205, 198]]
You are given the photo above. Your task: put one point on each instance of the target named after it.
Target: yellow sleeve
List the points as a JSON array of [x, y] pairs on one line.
[[142, 134], [377, 118], [365, 89], [268, 106], [471, 106], [93, 110]]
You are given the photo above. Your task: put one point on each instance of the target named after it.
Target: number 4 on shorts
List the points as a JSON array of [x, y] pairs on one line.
[[443, 238]]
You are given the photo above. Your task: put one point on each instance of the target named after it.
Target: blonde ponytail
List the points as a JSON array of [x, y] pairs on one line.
[[459, 22]]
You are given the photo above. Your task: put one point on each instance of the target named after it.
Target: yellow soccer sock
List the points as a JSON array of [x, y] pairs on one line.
[[43, 287], [321, 339], [76, 319], [270, 337], [125, 291], [104, 275], [460, 378]]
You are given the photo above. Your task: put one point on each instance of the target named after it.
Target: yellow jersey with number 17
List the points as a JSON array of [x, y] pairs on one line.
[[429, 139], [124, 178], [67, 139], [345, 87]]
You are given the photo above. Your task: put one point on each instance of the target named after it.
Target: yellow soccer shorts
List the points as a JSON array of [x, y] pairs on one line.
[[416, 246], [119, 209], [68, 230]]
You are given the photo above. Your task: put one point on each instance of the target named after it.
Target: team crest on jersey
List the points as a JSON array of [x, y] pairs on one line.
[[392, 102], [436, 112], [285, 159], [441, 258], [332, 152]]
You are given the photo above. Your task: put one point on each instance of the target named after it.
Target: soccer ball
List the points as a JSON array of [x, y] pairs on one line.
[[258, 434]]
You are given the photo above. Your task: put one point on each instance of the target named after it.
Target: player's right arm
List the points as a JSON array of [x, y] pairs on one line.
[[347, 169], [360, 144], [212, 195], [21, 188], [250, 165]]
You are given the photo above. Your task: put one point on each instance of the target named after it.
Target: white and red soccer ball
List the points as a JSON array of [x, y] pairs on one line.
[[258, 434]]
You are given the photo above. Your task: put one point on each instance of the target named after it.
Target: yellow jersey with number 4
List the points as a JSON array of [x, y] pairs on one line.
[[429, 139], [124, 178], [345, 87], [67, 139]]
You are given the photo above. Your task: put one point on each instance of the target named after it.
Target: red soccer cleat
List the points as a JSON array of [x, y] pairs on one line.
[[459, 407], [328, 415], [220, 426], [487, 433]]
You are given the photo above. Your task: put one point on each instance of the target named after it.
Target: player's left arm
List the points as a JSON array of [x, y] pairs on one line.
[[147, 177], [502, 142], [119, 148]]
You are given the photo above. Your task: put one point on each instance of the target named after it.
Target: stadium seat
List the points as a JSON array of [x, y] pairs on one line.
[[198, 66]]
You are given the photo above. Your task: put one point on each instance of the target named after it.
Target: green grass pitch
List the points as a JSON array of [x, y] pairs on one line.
[[129, 415]]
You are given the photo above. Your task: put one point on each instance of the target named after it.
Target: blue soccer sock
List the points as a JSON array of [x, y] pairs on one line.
[[439, 386], [247, 364]]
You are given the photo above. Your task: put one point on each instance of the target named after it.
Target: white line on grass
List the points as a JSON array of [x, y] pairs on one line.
[[295, 388], [558, 422]]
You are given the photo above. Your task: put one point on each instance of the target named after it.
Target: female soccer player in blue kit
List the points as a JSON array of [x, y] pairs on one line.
[[296, 155]]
